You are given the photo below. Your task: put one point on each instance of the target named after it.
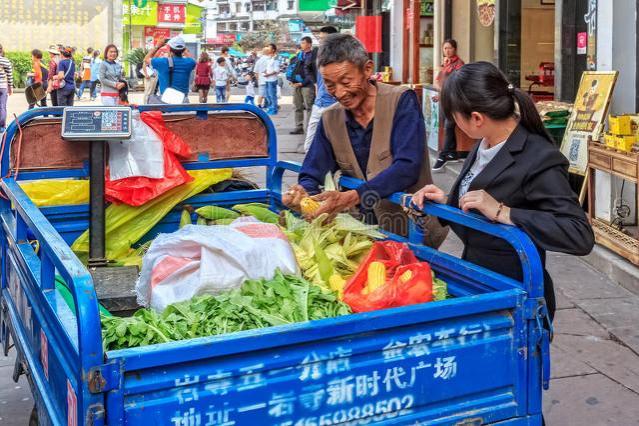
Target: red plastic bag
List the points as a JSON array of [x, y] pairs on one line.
[[138, 190], [398, 259]]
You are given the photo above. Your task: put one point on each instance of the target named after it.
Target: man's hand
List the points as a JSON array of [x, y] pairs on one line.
[[297, 84], [333, 202], [293, 197], [435, 98], [10, 91]]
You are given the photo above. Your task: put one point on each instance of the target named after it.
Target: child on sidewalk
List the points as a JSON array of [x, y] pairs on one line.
[[221, 76], [251, 85]]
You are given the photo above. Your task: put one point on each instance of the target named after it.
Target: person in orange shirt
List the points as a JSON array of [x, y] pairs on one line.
[[86, 72], [35, 76]]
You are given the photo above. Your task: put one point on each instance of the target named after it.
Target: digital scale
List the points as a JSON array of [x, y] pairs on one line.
[[99, 125]]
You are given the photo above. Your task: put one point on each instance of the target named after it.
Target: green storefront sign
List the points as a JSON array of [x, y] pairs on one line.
[[193, 23], [139, 15], [316, 5]]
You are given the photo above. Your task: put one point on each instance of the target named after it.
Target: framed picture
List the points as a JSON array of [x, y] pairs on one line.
[[587, 117]]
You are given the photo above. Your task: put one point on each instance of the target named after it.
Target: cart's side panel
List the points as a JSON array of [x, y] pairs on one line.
[[464, 367], [58, 349]]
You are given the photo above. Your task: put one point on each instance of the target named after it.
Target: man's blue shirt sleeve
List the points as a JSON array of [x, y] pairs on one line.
[[319, 160]]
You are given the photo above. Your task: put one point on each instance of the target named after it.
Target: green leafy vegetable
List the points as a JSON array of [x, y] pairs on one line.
[[285, 299]]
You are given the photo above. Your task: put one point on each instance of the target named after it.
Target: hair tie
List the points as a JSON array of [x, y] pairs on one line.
[[511, 89]]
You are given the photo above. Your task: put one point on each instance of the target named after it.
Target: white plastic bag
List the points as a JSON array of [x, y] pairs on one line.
[[199, 260], [142, 155]]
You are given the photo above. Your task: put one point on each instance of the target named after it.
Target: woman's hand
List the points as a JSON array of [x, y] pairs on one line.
[[119, 85], [429, 193], [435, 98], [484, 203], [293, 197]]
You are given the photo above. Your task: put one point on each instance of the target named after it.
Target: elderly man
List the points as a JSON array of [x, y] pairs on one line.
[[375, 133]]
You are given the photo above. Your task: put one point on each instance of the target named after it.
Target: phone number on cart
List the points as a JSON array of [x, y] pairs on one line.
[[372, 412]]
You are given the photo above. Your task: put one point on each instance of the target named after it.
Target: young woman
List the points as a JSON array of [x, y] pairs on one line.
[[110, 76], [451, 63], [65, 78], [514, 176], [203, 75]]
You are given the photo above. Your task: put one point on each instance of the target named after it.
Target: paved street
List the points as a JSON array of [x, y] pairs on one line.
[[595, 354]]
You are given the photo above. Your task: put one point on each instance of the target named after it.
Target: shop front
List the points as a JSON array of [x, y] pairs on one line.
[[146, 22]]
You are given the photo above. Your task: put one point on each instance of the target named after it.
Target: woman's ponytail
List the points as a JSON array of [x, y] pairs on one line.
[[482, 87], [528, 114]]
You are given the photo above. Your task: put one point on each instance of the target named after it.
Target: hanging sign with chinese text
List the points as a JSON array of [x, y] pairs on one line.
[[171, 14]]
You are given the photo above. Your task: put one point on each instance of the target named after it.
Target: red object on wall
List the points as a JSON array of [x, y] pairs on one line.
[[368, 29], [171, 14]]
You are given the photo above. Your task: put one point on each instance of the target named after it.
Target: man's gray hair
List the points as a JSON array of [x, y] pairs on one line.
[[342, 48]]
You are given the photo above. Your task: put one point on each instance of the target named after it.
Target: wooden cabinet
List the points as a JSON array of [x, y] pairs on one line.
[[622, 240]]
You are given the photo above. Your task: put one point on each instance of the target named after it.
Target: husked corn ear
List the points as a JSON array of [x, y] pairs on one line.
[[376, 276], [185, 218], [260, 213], [215, 213], [337, 283], [406, 276], [309, 206]]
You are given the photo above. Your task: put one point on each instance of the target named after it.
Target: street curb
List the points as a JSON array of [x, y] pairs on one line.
[[613, 266]]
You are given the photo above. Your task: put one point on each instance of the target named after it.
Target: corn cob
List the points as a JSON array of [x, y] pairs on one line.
[[406, 276], [201, 221], [309, 206], [259, 213], [336, 283], [185, 218], [215, 213], [376, 276]]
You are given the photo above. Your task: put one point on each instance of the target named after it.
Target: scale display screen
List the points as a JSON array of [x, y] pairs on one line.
[[96, 123]]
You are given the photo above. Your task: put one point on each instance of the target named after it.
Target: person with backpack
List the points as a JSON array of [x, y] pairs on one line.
[[174, 71], [301, 74]]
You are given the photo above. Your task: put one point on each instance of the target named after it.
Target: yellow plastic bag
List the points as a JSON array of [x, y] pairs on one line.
[[52, 192], [126, 225]]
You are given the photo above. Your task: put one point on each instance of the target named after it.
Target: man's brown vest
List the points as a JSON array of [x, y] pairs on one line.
[[390, 216]]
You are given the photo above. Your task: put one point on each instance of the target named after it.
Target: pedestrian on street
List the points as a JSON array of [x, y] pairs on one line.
[[65, 78], [228, 61], [85, 69], [303, 80], [6, 87], [174, 71], [36, 79], [271, 74], [221, 76], [451, 63], [203, 76], [251, 85], [53, 84], [375, 133], [258, 70], [95, 74], [514, 176], [323, 99], [110, 76]]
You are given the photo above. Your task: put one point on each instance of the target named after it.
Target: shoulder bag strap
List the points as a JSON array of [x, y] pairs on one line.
[[170, 59]]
